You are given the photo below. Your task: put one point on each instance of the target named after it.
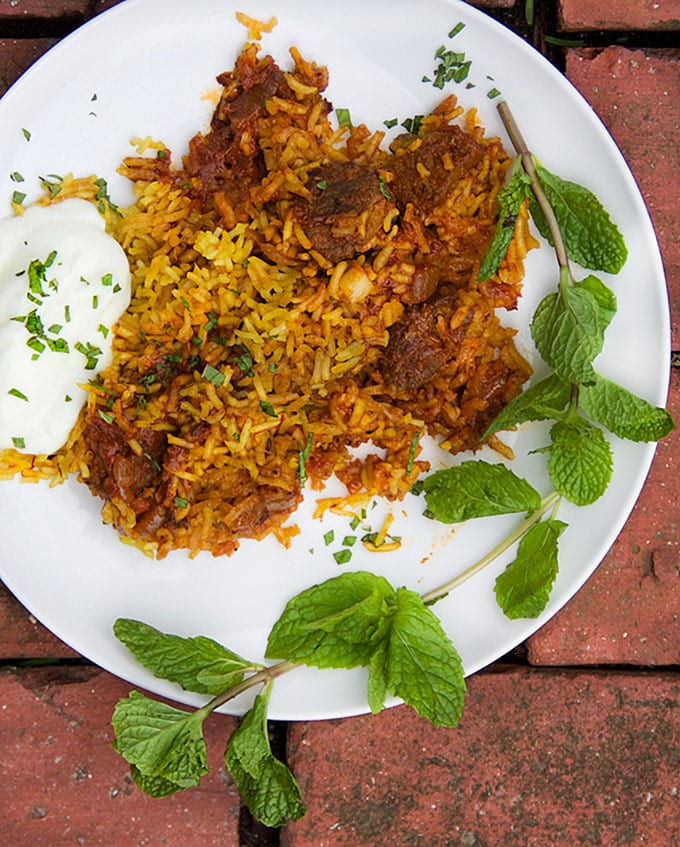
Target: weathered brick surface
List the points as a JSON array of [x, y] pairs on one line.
[[635, 93], [62, 784], [540, 760], [22, 637], [619, 14], [17, 54], [46, 9], [629, 610]]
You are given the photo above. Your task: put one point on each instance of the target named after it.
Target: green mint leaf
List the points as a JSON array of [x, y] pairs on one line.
[[544, 401], [622, 412], [336, 624], [510, 201], [154, 786], [197, 664], [422, 666], [590, 237], [159, 740], [265, 784], [580, 461], [524, 587], [476, 489], [377, 678], [568, 327]]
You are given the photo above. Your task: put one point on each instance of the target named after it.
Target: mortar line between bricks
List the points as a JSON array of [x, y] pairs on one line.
[[44, 662], [46, 27], [601, 668]]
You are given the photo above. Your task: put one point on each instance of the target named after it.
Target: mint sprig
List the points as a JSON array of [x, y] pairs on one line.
[[622, 412], [524, 587], [591, 238], [164, 745], [476, 489], [359, 619], [580, 460], [568, 327], [264, 782], [510, 201], [198, 664]]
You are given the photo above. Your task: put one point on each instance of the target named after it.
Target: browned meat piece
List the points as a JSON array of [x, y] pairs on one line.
[[256, 510], [227, 161], [449, 153], [345, 212], [415, 351], [115, 471]]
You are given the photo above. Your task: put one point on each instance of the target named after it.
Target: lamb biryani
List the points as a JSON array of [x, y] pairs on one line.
[[299, 288]]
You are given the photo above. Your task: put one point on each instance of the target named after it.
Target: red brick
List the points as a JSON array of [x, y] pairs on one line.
[[46, 9], [635, 93], [62, 784], [17, 54], [540, 760], [629, 610], [22, 637], [614, 14]]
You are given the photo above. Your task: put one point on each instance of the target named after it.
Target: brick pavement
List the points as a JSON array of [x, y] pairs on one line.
[[556, 750]]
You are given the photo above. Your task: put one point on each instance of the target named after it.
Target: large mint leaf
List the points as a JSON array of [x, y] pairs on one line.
[[622, 412], [580, 461], [590, 236], [336, 624], [160, 741], [197, 664], [510, 201], [568, 327], [265, 784], [422, 666], [544, 401], [523, 589], [477, 489]]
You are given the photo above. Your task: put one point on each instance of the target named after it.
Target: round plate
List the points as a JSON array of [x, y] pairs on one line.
[[148, 67]]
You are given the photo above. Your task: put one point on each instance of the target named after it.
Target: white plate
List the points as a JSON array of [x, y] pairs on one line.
[[144, 68]]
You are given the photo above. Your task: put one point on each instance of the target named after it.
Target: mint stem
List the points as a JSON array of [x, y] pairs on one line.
[[527, 159], [268, 674], [260, 678], [547, 503]]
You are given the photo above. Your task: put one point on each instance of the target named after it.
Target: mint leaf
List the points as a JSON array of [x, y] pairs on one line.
[[523, 589], [568, 327], [265, 784], [510, 201], [590, 236], [422, 666], [159, 740], [154, 786], [477, 489], [622, 412], [197, 664], [336, 624], [580, 461], [545, 400], [377, 678]]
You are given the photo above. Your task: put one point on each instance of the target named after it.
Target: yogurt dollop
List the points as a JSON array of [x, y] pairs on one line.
[[64, 282]]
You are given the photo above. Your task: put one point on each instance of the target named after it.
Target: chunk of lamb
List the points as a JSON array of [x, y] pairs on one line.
[[345, 211], [427, 175]]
